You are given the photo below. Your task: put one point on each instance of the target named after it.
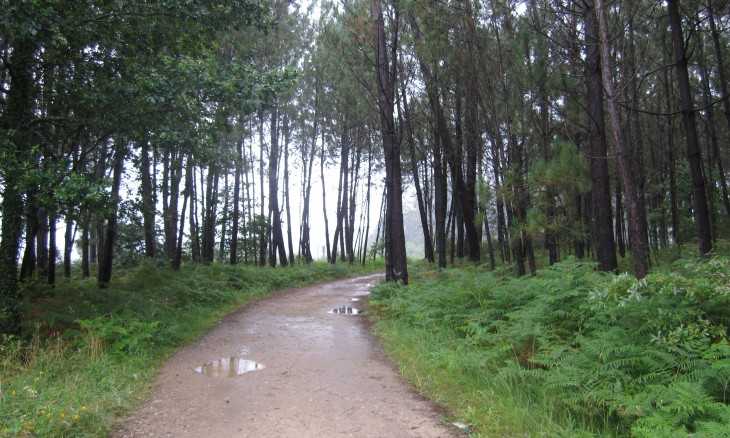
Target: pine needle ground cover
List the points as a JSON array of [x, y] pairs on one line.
[[90, 355], [569, 352]]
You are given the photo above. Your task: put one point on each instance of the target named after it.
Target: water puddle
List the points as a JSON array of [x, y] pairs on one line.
[[229, 367], [345, 310], [355, 299]]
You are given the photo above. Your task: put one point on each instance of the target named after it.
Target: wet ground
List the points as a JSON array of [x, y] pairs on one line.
[[299, 364]]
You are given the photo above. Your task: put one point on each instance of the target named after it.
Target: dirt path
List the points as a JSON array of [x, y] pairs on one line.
[[324, 376]]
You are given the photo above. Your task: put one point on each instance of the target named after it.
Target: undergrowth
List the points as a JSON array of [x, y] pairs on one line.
[[569, 352], [89, 355]]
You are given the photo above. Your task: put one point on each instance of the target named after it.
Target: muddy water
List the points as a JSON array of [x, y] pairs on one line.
[[324, 376]]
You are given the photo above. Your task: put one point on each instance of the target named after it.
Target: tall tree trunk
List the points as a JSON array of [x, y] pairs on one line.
[[423, 214], [68, 246], [694, 156], [638, 245], [287, 135], [714, 147], [277, 237], [177, 261], [148, 203], [107, 254], [224, 218], [305, 244], [85, 256], [385, 70], [441, 141], [472, 138], [236, 203], [721, 73], [544, 129], [209, 214], [193, 222], [350, 228], [42, 242], [601, 221], [249, 236], [171, 213], [264, 235], [324, 201], [27, 267], [16, 117], [367, 205], [52, 247]]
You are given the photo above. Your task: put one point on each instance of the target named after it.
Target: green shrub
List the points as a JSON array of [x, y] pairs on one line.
[[582, 350]]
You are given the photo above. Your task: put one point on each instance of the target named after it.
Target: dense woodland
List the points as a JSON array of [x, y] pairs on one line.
[[530, 131]]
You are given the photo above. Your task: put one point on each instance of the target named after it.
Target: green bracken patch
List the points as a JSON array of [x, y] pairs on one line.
[[569, 352], [90, 355]]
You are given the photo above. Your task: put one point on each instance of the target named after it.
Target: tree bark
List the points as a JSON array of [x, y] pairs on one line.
[[638, 245], [193, 216], [17, 115], [324, 201], [601, 221], [148, 203], [236, 203], [277, 237], [385, 71], [68, 245], [714, 147], [694, 156], [287, 135], [107, 253], [264, 235]]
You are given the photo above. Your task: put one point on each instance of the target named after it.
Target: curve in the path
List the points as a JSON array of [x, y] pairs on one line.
[[324, 376]]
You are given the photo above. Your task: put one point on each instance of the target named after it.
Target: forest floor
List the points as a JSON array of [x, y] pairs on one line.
[[313, 373]]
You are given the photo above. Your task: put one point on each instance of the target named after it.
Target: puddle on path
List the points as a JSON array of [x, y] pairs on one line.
[[345, 310], [229, 367]]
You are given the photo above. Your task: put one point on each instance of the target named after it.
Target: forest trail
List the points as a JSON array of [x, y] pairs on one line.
[[324, 376]]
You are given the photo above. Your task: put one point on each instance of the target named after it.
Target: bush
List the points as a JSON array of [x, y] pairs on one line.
[[589, 351]]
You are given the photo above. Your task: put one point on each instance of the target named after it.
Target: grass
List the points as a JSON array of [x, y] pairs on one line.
[[89, 356], [569, 352]]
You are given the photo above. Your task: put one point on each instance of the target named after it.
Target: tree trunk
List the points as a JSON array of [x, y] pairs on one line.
[[427, 242], [209, 214], [27, 267], [224, 218], [85, 256], [287, 135], [107, 253], [367, 205], [601, 221], [694, 156], [236, 203], [68, 246], [441, 141], [264, 235], [193, 223], [277, 237], [177, 261], [638, 245], [324, 201], [148, 203], [396, 264], [721, 73], [350, 225], [52, 248]]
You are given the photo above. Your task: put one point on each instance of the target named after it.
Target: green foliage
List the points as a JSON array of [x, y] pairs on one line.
[[88, 355], [124, 334], [571, 349]]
